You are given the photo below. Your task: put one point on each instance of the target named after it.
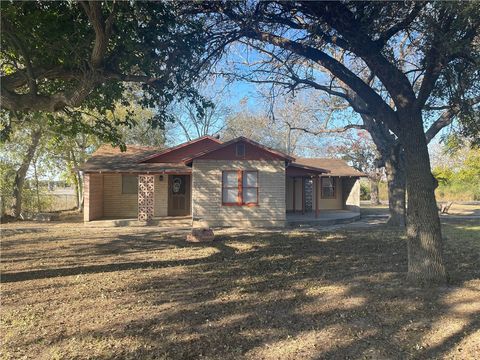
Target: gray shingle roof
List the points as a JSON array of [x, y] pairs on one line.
[[337, 167], [110, 159]]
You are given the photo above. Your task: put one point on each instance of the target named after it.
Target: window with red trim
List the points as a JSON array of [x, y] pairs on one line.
[[240, 187]]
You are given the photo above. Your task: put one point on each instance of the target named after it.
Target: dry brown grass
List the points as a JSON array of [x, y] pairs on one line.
[[71, 292], [455, 209]]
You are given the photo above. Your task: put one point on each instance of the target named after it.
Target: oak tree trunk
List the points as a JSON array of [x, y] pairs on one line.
[[396, 180], [78, 180], [37, 185], [392, 158], [424, 236], [22, 173], [374, 198]]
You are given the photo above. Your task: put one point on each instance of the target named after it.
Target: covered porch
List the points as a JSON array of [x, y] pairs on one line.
[[127, 198], [314, 193]]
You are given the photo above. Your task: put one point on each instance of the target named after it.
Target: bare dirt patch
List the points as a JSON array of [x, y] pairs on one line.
[[73, 292]]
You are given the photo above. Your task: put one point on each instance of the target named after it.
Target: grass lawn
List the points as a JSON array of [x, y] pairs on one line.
[[71, 292]]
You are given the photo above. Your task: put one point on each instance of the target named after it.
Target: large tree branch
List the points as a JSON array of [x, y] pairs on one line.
[[446, 118], [11, 100], [297, 80], [328, 131], [28, 75], [389, 33], [443, 120], [19, 78], [93, 9], [339, 70], [87, 80], [359, 109], [338, 16], [314, 29], [434, 66]]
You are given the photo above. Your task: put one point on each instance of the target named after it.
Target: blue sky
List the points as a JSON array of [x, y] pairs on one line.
[[237, 93]]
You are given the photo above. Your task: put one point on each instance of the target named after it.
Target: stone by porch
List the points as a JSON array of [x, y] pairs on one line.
[[325, 217]]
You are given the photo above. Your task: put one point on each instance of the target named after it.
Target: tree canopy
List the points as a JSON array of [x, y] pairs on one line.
[[60, 56], [373, 56], [397, 63]]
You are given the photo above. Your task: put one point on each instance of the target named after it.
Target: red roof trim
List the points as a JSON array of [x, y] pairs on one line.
[[170, 149], [233, 141]]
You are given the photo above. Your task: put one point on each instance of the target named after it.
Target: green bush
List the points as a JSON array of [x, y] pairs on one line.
[[364, 191], [461, 184], [7, 174], [458, 191], [32, 204]]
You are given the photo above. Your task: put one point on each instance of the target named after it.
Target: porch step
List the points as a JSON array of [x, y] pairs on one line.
[[169, 221]]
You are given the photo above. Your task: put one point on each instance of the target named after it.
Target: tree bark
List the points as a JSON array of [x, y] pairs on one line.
[[424, 236], [393, 159], [396, 180], [77, 178], [374, 198], [37, 185], [79, 190], [22, 173]]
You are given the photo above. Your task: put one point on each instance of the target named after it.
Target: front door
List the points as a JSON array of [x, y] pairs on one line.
[[178, 195]]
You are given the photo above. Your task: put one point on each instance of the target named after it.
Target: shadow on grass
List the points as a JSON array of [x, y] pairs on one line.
[[334, 295]]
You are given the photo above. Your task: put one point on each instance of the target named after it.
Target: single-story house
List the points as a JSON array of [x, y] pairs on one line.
[[234, 183]]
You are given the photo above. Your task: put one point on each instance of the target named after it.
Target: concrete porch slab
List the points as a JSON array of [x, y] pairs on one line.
[[326, 217], [165, 221]]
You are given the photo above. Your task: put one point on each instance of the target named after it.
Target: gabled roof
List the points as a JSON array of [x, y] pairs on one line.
[[111, 159], [175, 154], [141, 159], [335, 167], [209, 152]]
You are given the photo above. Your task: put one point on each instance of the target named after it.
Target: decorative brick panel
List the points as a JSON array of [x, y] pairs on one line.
[[309, 194], [146, 197]]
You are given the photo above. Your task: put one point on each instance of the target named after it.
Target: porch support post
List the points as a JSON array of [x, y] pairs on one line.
[[303, 195], [146, 197], [317, 189], [294, 191]]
